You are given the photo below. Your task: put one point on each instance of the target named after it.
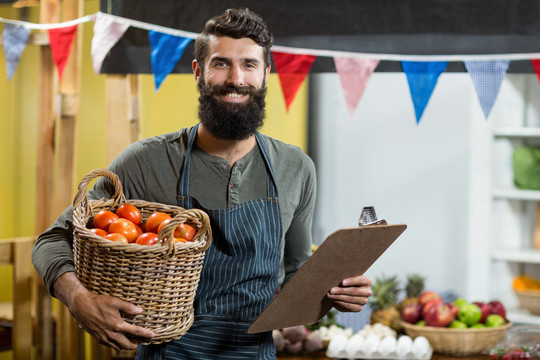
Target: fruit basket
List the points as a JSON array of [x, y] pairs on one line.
[[161, 279], [458, 342], [529, 300]]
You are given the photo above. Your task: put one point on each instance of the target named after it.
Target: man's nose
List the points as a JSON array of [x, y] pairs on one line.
[[236, 76]]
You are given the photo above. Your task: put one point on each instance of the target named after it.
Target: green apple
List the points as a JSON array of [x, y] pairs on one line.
[[494, 320], [478, 326], [470, 314], [421, 323], [459, 302], [456, 324]]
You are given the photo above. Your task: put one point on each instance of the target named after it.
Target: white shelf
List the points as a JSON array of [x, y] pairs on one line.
[[530, 256], [529, 132], [520, 316], [516, 194]]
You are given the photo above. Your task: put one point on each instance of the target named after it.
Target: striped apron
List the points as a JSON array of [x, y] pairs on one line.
[[238, 279]]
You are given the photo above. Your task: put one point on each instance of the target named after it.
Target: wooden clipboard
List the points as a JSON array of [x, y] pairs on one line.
[[345, 253]]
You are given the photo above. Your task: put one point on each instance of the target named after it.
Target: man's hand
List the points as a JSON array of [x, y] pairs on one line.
[[352, 294], [99, 315]]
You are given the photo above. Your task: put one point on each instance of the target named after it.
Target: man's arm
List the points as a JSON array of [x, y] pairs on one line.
[[99, 315]]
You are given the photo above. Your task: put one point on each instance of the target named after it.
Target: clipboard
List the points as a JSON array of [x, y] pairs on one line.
[[345, 253]]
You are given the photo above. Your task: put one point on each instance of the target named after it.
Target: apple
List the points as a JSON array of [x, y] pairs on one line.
[[485, 309], [453, 308], [439, 315], [497, 308], [460, 302], [478, 326], [470, 314], [427, 296], [494, 320], [411, 313], [429, 305], [456, 324], [421, 323]]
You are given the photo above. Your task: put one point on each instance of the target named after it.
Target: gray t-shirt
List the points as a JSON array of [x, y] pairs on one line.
[[150, 170]]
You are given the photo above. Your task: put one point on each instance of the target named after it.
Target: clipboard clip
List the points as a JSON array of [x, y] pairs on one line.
[[369, 217]]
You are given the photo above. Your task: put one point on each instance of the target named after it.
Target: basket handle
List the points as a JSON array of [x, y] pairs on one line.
[[81, 198], [195, 215]]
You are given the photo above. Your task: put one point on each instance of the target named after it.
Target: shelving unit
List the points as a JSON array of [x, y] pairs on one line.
[[513, 210]]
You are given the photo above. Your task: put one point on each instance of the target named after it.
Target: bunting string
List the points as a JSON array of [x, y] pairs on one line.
[[292, 63]]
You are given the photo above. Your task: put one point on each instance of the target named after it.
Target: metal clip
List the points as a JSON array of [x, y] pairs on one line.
[[369, 217]]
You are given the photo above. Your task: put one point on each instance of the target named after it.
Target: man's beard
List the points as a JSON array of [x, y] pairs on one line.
[[228, 120]]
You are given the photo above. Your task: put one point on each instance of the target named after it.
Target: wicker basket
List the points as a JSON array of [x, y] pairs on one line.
[[162, 280], [529, 300], [458, 342]]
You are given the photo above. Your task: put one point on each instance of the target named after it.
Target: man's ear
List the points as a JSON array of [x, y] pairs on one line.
[[196, 70], [267, 73]]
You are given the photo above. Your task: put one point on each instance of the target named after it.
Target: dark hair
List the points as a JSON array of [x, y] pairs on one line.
[[237, 24]]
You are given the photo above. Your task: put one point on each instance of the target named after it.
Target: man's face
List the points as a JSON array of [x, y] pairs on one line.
[[232, 88]]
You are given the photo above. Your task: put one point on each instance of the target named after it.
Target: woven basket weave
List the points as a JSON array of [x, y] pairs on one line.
[[458, 342], [529, 300], [161, 279]]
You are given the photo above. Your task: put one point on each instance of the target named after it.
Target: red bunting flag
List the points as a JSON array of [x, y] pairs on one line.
[[536, 66], [292, 70], [60, 40]]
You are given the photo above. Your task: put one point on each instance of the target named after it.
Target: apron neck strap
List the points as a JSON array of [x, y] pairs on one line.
[[184, 178]]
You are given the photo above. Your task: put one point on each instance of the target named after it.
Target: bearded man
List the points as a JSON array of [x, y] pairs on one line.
[[259, 194]]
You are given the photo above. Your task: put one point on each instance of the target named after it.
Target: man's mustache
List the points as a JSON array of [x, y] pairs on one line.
[[227, 89]]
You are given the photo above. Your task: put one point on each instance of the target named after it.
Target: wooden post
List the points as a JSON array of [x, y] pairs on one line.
[[123, 124], [22, 299], [70, 338], [49, 13]]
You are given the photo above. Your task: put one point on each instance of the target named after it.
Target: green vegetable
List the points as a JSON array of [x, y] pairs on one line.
[[527, 167]]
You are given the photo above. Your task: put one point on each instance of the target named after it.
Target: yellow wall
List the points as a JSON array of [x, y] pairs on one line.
[[172, 107]]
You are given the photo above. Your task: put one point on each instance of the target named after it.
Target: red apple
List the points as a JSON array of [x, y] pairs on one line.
[[429, 305], [485, 309], [439, 315], [427, 296], [453, 308], [411, 313], [497, 308]]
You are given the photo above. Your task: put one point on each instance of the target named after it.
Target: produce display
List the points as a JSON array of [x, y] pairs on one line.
[[126, 226], [431, 310], [526, 282]]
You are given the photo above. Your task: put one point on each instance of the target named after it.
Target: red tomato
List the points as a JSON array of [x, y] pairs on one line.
[[177, 240], [124, 227], [99, 232], [139, 230], [147, 238], [185, 231], [119, 238], [162, 225], [153, 221], [182, 231], [103, 219], [129, 212]]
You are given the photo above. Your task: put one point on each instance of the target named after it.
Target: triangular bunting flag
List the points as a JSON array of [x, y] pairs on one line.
[[487, 77], [166, 52], [292, 70], [60, 40], [422, 78], [15, 39], [107, 32], [536, 66], [354, 74]]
